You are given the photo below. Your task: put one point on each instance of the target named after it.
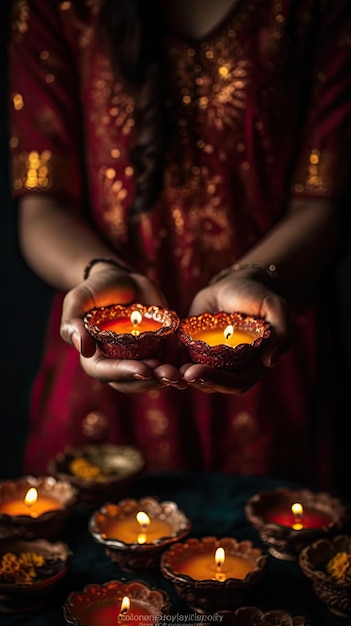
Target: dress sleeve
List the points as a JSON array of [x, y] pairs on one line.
[[323, 166], [45, 110]]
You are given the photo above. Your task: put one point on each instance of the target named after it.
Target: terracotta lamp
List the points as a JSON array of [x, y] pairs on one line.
[[136, 532], [33, 507], [211, 574], [130, 332], [223, 340], [116, 602], [289, 519]]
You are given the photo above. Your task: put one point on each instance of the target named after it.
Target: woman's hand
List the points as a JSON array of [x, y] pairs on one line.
[[107, 285], [243, 293]]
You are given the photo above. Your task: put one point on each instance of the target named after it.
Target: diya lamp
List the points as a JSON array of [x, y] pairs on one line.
[[130, 332], [29, 571], [213, 574], [136, 532], [99, 472], [34, 507], [227, 341], [287, 519], [116, 602], [327, 563]]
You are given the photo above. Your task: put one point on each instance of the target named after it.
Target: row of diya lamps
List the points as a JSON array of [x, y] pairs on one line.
[[210, 574], [213, 576]]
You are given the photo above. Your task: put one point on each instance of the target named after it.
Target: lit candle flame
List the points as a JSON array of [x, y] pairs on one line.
[[135, 319], [125, 606], [31, 496], [228, 332], [144, 522], [219, 560], [219, 557], [297, 511]]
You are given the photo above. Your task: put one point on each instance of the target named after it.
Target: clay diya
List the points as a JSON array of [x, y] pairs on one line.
[[29, 572], [100, 472], [289, 519], [229, 341], [327, 563], [116, 602], [136, 532], [212, 574], [130, 332], [33, 507]]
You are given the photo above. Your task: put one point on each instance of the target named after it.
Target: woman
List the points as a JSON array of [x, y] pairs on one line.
[[149, 155]]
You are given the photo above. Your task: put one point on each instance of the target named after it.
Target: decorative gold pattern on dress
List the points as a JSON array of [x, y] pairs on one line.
[[33, 171], [115, 194], [315, 174], [158, 422], [20, 16], [245, 426], [17, 101]]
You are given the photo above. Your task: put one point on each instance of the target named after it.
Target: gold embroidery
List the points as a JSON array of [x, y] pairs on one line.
[[40, 171], [245, 426], [14, 141], [314, 174], [20, 16], [158, 422], [17, 101], [32, 170]]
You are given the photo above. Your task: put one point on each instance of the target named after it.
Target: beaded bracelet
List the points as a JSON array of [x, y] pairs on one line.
[[119, 264], [269, 268]]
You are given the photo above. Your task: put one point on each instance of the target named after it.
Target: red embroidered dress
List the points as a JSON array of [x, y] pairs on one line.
[[261, 108]]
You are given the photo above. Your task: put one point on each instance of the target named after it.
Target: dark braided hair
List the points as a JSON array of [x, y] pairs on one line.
[[134, 34]]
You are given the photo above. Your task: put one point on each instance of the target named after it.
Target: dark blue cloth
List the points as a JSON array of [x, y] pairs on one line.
[[215, 505]]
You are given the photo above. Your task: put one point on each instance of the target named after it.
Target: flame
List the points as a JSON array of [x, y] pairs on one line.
[[125, 606], [31, 496], [219, 560], [136, 318], [228, 332], [219, 557], [297, 511], [143, 520]]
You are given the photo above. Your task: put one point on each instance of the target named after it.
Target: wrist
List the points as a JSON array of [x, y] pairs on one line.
[[100, 262], [262, 272]]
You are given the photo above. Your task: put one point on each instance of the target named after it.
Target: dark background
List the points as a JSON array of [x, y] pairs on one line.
[[25, 302]]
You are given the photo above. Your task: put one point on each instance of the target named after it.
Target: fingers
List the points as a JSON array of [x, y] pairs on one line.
[[210, 379], [73, 332], [108, 370], [274, 310]]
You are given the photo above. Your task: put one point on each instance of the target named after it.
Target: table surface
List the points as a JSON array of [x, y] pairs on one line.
[[215, 505]]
